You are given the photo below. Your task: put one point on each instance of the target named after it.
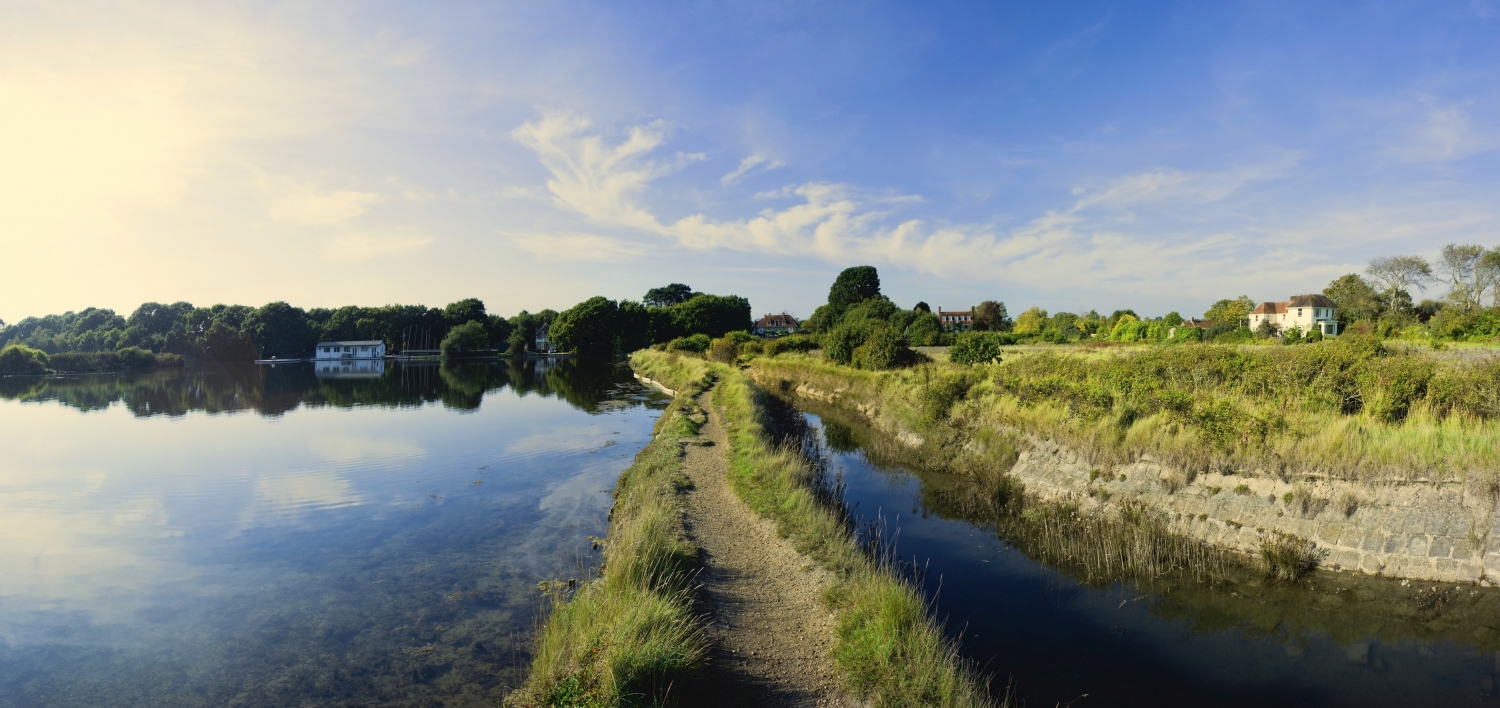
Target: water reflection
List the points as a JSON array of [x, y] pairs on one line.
[[1333, 640], [359, 541]]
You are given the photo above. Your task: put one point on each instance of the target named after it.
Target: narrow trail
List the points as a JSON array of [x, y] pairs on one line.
[[772, 635]]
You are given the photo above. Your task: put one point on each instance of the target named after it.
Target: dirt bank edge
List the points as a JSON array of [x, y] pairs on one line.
[[889, 650]]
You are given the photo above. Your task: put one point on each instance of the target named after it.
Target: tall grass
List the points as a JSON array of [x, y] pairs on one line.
[[630, 637], [888, 647], [1350, 409]]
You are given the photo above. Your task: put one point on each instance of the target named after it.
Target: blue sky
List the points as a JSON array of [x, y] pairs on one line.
[[1157, 156]]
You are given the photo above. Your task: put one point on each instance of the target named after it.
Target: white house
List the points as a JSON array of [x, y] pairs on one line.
[[1306, 312], [775, 325], [543, 339], [363, 349]]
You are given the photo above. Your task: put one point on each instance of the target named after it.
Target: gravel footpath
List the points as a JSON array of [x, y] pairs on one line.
[[772, 634]]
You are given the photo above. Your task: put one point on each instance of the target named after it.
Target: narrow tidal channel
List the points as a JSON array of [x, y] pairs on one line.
[[1332, 640], [288, 536]]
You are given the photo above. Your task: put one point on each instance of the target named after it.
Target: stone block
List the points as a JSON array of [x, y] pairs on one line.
[[1441, 547], [1391, 522], [1418, 546], [1351, 537], [1447, 569], [1374, 542], [1492, 562], [1463, 548], [1344, 559], [1371, 563], [1329, 534], [1396, 543]]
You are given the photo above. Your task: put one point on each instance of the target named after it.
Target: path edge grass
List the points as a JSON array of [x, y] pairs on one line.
[[631, 636], [889, 649]]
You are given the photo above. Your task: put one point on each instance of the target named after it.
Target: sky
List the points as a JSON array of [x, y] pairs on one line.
[[1084, 155]]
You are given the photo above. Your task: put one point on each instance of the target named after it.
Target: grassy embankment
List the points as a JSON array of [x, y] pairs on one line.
[[888, 648], [631, 637], [1350, 409]]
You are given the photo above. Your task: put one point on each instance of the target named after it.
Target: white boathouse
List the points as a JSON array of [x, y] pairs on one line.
[[363, 349]]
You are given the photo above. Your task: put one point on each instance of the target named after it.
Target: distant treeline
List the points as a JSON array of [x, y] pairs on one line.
[[277, 329]]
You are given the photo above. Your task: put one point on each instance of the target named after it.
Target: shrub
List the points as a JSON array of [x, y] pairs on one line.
[[978, 347], [740, 337], [882, 349], [1292, 335], [793, 343], [840, 342], [136, 359], [697, 344], [1289, 557], [724, 350], [754, 346], [19, 359], [1187, 334], [465, 338]]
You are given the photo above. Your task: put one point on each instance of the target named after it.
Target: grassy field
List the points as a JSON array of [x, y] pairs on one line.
[[630, 637], [1351, 409], [889, 649]]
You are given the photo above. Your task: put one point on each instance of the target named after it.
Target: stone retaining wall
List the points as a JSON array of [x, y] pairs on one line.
[[1419, 530]]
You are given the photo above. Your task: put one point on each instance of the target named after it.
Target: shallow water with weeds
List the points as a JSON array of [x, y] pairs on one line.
[[285, 536], [1059, 632]]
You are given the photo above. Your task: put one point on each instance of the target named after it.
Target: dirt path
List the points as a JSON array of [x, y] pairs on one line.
[[772, 634]]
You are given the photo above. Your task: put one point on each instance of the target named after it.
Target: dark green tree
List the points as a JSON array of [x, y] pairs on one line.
[[1357, 301], [467, 338], [465, 310], [590, 327], [667, 295], [854, 285], [991, 316], [281, 330], [713, 315]]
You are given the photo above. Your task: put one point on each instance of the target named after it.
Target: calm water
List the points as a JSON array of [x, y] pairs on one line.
[[285, 536], [1335, 640]]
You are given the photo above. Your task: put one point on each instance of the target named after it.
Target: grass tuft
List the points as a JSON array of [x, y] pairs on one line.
[[1288, 557]]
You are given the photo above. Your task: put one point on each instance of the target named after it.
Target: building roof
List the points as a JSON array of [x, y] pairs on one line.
[[1270, 308], [352, 343], [1313, 300], [781, 320], [1196, 323], [964, 313]]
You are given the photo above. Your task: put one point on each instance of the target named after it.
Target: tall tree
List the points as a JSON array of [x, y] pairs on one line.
[[1230, 311], [667, 295], [991, 316], [1400, 272], [854, 285], [1469, 270], [1357, 301]]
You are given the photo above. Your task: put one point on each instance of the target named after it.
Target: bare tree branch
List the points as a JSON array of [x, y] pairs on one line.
[[1400, 272]]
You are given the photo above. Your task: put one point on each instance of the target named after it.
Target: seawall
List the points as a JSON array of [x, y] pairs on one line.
[[1425, 531]]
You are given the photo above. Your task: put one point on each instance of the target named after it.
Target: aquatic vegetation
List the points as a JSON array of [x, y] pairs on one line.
[[628, 636], [1289, 557]]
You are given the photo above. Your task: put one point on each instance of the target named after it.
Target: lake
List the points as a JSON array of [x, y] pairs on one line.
[[1332, 640], [292, 536]]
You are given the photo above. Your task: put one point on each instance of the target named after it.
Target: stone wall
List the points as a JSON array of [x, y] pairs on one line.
[[1418, 530]]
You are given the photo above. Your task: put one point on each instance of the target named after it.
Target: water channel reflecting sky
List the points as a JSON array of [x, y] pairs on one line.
[[249, 536], [1335, 640]]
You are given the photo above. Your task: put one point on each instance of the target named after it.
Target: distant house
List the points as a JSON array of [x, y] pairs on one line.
[[956, 320], [775, 325], [1305, 312], [361, 349], [543, 344]]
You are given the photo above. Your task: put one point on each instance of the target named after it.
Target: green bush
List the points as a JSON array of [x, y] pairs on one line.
[[465, 338], [978, 347], [1292, 335], [697, 344], [1187, 334], [740, 337], [840, 342], [882, 349], [792, 343], [20, 359], [724, 350], [136, 359]]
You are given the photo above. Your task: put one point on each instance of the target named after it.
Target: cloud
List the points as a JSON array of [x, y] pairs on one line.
[[751, 162], [1444, 133], [363, 245], [576, 247], [299, 202]]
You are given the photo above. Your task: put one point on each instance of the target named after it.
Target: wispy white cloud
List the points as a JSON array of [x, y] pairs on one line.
[[301, 201], [756, 162], [367, 245], [1444, 132], [576, 247], [1083, 242]]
